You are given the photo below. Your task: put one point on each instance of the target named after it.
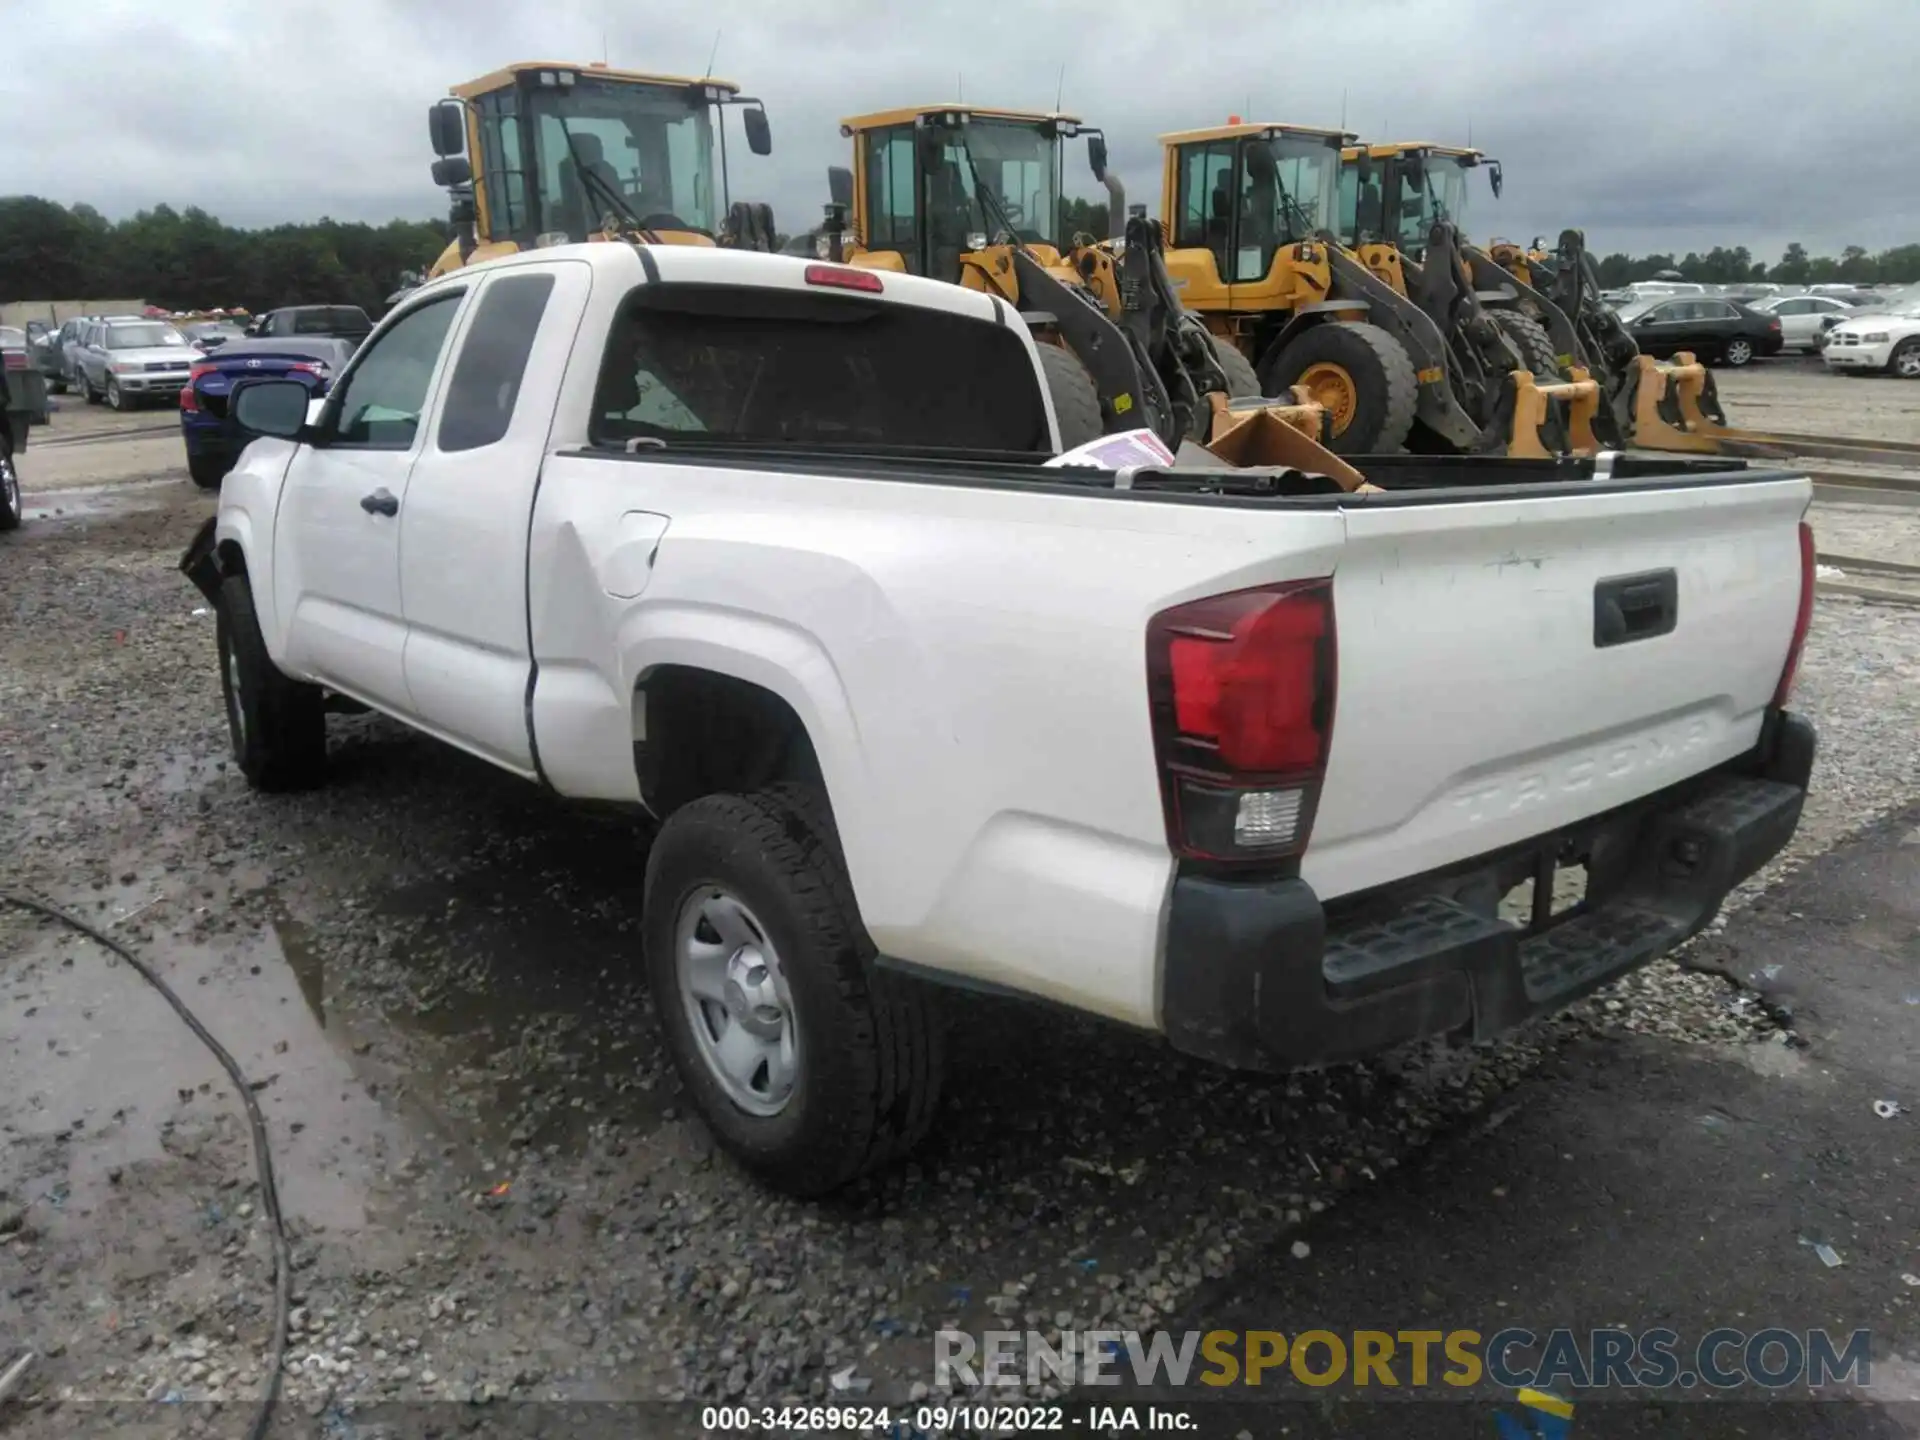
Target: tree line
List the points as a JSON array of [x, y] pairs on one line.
[[189, 259]]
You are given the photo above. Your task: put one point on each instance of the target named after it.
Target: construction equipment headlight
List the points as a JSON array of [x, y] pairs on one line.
[[977, 241], [823, 247]]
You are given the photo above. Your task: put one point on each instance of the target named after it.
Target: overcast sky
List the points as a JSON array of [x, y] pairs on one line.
[[1655, 124]]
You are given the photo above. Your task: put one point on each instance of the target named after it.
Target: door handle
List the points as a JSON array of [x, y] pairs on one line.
[[380, 502]]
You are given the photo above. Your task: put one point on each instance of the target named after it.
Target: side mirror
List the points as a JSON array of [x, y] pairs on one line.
[[759, 133], [271, 407], [1097, 156], [447, 128], [1496, 179], [840, 186], [452, 170]]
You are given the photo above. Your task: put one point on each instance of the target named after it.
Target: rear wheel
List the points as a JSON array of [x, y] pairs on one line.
[[86, 389], [1905, 361], [1530, 338], [278, 725], [1738, 352], [207, 470], [57, 384], [811, 1066], [1360, 374], [1242, 380], [1076, 404]]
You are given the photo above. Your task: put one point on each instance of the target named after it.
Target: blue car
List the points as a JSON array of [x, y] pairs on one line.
[[214, 441]]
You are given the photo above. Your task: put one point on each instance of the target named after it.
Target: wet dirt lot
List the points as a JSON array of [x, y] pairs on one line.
[[430, 973]]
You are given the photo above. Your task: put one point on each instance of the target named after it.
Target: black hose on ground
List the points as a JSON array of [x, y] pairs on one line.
[[262, 1156]]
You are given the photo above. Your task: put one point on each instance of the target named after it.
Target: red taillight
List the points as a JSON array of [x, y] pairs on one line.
[[16, 360], [1802, 619], [311, 367], [1242, 694], [844, 277], [198, 370], [188, 400], [1773, 325]]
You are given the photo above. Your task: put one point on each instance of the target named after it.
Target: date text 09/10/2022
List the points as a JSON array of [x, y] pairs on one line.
[[909, 1422]]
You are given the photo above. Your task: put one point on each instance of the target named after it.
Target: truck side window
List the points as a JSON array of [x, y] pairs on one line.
[[380, 401], [493, 359]]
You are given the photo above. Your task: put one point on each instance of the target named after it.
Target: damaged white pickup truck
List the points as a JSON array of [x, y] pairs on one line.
[[767, 548]]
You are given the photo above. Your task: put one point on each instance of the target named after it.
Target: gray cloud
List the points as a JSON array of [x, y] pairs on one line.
[[1655, 124]]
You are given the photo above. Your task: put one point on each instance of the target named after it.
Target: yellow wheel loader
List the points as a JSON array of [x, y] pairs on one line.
[[971, 196], [546, 153], [1251, 210]]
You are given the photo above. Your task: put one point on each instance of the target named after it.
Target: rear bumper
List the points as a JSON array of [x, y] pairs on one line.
[[1259, 975]]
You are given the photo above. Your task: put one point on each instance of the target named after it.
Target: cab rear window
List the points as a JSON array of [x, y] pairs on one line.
[[719, 363]]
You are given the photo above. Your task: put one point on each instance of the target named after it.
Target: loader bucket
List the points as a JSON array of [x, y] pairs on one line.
[[1675, 407], [1259, 432], [1562, 413]]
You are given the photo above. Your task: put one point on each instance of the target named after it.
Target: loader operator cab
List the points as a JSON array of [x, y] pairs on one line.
[[1408, 185], [932, 189], [1242, 194], [542, 154]]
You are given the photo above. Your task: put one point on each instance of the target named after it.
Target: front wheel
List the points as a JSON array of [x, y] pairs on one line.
[[811, 1066], [1738, 352], [1360, 374], [277, 725], [1076, 403], [12, 508], [1905, 361]]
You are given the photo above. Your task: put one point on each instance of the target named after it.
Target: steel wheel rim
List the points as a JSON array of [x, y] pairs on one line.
[[1332, 388], [734, 992], [10, 487]]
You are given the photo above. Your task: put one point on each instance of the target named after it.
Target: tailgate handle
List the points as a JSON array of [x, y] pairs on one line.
[[1635, 607]]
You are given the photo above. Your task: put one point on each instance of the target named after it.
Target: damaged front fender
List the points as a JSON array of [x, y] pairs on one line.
[[201, 563]]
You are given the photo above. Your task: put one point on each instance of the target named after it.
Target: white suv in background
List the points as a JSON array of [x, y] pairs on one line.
[[1885, 338]]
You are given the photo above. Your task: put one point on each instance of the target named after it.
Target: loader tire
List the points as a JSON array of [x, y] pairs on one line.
[[1242, 380], [1530, 338], [1361, 374], [1076, 404]]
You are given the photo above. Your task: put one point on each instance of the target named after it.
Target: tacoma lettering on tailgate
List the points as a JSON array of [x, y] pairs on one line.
[[1573, 773]]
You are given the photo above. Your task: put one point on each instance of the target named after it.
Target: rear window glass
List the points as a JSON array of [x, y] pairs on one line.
[[331, 322], [786, 367]]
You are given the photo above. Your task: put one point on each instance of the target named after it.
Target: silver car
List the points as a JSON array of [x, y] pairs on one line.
[[125, 362]]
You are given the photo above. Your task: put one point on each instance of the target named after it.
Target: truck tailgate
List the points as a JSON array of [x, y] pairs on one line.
[[1510, 666]]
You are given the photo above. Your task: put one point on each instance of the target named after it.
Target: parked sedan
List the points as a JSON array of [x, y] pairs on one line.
[[1884, 339], [1801, 317], [213, 439], [1711, 328], [128, 361]]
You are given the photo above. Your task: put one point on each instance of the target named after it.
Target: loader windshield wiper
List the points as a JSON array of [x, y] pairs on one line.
[[593, 182]]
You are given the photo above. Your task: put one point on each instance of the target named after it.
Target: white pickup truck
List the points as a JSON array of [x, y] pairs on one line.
[[768, 548]]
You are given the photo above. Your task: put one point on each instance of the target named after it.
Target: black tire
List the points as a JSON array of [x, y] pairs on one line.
[[1242, 380], [1381, 373], [86, 389], [12, 507], [207, 470], [116, 397], [278, 725], [1530, 338], [870, 1048], [1076, 404], [1904, 355], [1737, 352], [57, 384]]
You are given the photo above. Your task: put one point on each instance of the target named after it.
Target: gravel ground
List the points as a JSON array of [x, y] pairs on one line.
[[1801, 396], [494, 1188]]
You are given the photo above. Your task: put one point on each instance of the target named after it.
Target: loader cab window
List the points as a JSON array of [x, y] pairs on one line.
[[1291, 191], [1207, 202], [892, 216], [1020, 164], [651, 145], [503, 166]]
